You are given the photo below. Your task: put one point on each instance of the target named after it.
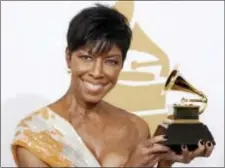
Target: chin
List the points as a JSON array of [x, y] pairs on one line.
[[92, 99]]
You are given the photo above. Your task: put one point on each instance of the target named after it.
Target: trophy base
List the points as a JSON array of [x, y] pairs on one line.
[[187, 134]]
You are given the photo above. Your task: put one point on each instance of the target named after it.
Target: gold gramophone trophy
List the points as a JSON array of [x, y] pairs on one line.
[[184, 127]]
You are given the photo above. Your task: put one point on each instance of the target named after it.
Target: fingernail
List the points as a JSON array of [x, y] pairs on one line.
[[209, 144], [165, 136], [201, 142], [183, 146]]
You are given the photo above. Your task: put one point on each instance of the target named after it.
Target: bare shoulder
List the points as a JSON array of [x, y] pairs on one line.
[[27, 159], [140, 124], [137, 122]]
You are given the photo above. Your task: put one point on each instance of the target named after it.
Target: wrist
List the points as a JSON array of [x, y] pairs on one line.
[[164, 163]]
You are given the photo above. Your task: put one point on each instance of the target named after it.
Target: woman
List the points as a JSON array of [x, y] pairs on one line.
[[80, 129]]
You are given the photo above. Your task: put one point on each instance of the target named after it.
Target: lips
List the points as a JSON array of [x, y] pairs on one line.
[[93, 87]]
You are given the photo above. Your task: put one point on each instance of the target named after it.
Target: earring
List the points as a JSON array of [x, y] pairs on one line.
[[68, 71]]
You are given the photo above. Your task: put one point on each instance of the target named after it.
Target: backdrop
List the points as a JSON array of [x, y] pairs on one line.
[[191, 34]]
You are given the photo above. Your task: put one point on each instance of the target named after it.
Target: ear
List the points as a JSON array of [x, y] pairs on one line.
[[68, 57]]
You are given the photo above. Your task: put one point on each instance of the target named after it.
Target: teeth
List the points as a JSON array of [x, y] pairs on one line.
[[93, 86]]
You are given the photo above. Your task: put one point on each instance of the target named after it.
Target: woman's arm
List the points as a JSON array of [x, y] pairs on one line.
[[27, 159]]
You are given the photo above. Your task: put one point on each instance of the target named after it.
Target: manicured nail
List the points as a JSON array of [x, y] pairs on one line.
[[165, 136], [201, 142], [183, 146]]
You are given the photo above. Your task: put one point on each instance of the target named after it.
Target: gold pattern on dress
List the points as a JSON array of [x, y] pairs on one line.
[[56, 132], [43, 146], [23, 124], [17, 133], [44, 113], [52, 116], [43, 138]]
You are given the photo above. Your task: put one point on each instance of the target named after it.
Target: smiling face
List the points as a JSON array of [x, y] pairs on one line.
[[93, 75]]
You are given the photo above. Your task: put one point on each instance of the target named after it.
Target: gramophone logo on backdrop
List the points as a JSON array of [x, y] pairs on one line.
[[140, 85]]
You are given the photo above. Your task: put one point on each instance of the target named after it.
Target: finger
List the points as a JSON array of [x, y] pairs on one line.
[[152, 162], [158, 148], [184, 150], [156, 139], [147, 143], [172, 156], [147, 159], [187, 156], [209, 148], [200, 151]]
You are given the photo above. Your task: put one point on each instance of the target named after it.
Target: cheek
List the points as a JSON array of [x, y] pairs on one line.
[[76, 75], [78, 68], [113, 74]]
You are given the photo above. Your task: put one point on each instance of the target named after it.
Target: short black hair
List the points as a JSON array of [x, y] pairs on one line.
[[99, 27]]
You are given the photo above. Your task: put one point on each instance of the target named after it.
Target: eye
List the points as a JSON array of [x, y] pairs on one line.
[[112, 62], [86, 57]]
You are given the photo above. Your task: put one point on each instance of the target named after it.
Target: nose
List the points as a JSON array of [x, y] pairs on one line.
[[96, 69]]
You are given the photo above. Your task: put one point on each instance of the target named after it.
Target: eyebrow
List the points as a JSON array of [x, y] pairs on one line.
[[113, 55]]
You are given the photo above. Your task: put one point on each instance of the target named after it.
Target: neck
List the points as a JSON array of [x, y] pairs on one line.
[[78, 107]]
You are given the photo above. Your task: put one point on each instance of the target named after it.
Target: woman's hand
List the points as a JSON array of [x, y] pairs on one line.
[[148, 153], [203, 150]]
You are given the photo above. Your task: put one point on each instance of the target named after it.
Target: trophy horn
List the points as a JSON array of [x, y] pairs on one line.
[[176, 82]]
